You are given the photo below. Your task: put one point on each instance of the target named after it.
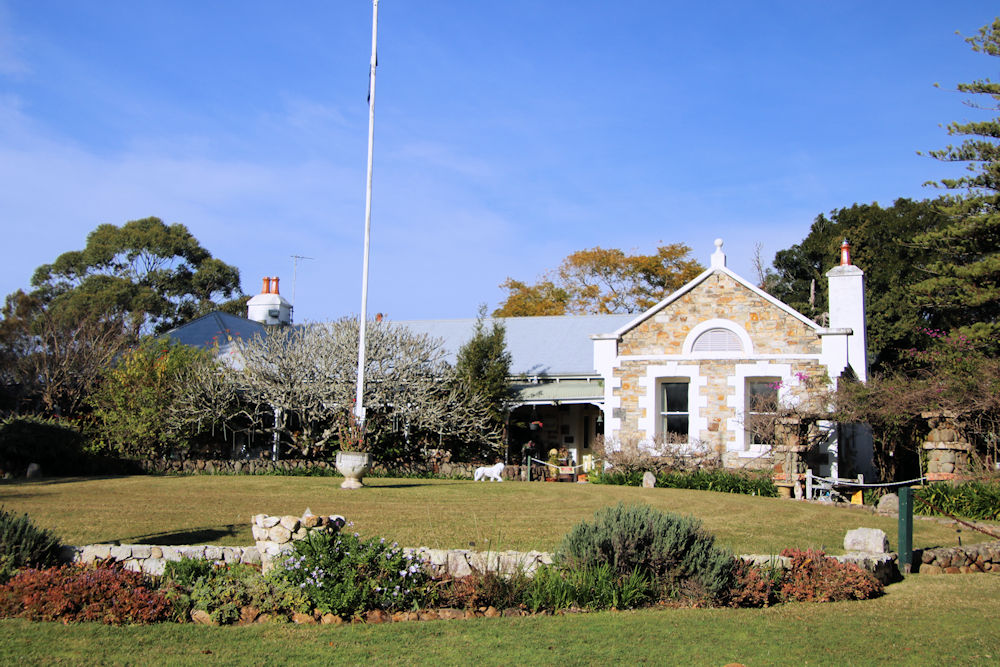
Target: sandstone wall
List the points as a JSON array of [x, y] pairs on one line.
[[983, 557]]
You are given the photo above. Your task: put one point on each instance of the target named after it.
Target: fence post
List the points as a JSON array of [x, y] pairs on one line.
[[905, 532]]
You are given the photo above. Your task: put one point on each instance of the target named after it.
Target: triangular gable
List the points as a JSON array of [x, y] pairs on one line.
[[702, 277]]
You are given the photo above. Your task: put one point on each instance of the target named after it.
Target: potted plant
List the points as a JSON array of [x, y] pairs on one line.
[[354, 458]]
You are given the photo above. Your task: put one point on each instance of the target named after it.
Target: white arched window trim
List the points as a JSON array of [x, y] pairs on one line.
[[728, 325]]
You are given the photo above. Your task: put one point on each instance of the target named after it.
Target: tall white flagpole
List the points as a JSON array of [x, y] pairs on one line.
[[359, 407]]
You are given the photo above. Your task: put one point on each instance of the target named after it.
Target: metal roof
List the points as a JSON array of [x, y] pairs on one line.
[[216, 328], [556, 345]]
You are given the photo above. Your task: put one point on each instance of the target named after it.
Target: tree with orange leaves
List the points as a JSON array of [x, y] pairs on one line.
[[602, 281]]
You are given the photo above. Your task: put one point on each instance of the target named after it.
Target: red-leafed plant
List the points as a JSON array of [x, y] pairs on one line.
[[105, 593], [815, 577]]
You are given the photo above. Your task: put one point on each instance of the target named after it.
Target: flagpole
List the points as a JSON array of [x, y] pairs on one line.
[[359, 407]]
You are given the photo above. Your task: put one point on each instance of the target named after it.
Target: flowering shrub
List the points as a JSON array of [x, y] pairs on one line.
[[815, 577], [345, 575], [106, 593]]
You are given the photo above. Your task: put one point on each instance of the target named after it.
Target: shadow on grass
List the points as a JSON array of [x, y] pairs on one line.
[[46, 481], [184, 537]]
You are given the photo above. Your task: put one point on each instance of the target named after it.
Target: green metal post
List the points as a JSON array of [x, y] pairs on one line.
[[905, 534]]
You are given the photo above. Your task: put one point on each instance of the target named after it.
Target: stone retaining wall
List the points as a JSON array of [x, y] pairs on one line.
[[458, 563], [983, 557]]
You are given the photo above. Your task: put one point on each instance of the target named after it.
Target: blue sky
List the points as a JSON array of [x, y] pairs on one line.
[[508, 134]]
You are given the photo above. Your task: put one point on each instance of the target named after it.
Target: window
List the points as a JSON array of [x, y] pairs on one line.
[[717, 340], [674, 410], [761, 410]]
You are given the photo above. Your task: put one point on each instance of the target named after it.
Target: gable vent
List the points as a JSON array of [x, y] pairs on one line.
[[717, 340]]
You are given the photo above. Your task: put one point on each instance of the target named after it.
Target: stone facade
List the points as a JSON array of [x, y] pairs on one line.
[[947, 452], [969, 559]]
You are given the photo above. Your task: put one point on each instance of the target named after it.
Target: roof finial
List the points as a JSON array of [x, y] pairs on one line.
[[718, 257], [845, 253]]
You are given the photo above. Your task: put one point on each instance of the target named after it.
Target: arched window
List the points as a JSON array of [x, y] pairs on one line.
[[717, 340]]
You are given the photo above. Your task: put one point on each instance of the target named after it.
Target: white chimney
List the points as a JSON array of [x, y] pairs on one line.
[[845, 343], [269, 307]]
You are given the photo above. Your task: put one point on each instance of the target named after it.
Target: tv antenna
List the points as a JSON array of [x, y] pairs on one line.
[[295, 271]]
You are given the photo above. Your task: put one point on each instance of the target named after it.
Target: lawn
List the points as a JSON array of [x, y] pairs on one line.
[[419, 512], [925, 620]]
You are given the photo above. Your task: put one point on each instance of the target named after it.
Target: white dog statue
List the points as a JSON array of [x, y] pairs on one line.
[[493, 472]]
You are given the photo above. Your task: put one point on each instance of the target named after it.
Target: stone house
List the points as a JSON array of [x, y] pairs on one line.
[[694, 369], [686, 370]]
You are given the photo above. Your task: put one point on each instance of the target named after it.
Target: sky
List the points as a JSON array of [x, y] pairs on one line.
[[507, 134]]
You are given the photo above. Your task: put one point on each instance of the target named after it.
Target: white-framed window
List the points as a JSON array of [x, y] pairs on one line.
[[760, 410], [674, 410]]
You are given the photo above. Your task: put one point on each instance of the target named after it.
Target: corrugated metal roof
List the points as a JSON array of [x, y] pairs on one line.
[[557, 345], [216, 328], [551, 345]]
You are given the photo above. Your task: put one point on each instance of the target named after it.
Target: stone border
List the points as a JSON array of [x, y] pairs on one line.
[[458, 563], [984, 557]]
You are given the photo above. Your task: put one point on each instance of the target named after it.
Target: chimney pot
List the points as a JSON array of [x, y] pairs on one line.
[[266, 287], [845, 253], [274, 285]]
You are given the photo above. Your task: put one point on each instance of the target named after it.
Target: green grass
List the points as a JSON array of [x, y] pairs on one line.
[[925, 620], [420, 512]]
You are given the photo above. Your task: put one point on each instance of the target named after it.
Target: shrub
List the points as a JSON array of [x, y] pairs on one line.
[[482, 590], [107, 593], [755, 585], [596, 587], [815, 577], [724, 481], [22, 544], [974, 500], [51, 443], [187, 571], [679, 557], [226, 589], [345, 575]]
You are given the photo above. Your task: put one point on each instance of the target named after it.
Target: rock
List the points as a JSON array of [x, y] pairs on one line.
[[121, 552], [142, 551], [248, 615], [154, 566], [930, 569], [513, 611], [213, 553], [156, 552], [491, 612], [429, 615], [202, 617], [34, 471], [867, 540], [303, 619], [311, 521], [265, 618], [377, 616], [648, 480], [331, 619], [888, 503], [279, 534], [472, 613], [290, 522], [450, 614], [458, 565], [269, 521]]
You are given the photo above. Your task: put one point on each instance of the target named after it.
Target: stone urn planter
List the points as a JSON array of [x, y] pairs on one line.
[[353, 466]]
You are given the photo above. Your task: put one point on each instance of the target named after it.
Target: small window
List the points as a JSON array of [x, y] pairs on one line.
[[761, 410], [674, 410], [717, 340]]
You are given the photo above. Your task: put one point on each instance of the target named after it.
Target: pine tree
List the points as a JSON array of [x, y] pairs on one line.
[[963, 289], [483, 364]]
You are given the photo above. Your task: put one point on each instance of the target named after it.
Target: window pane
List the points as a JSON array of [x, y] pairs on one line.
[[677, 424], [675, 396]]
